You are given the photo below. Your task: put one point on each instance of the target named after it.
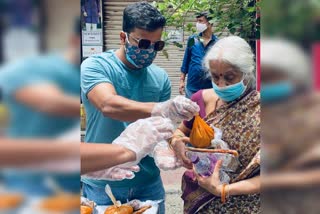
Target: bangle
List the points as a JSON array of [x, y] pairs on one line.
[[228, 191], [223, 193]]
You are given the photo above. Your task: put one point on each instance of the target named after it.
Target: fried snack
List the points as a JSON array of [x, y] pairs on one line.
[[123, 209], [10, 201], [201, 133], [142, 209], [61, 203], [85, 209]]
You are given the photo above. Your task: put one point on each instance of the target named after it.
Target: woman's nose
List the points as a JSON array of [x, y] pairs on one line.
[[222, 83]]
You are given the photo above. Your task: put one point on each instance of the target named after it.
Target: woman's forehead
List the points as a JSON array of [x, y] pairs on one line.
[[218, 66]]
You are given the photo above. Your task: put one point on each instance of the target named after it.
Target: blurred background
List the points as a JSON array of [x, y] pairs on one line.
[[39, 106], [290, 34]]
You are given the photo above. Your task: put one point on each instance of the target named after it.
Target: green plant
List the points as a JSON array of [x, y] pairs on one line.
[[296, 20], [236, 16]]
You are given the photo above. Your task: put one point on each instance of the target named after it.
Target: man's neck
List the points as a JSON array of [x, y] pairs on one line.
[[207, 34]]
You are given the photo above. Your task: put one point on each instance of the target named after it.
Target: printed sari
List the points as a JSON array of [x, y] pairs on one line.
[[240, 124]]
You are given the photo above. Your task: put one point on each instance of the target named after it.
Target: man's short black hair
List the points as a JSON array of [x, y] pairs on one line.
[[206, 14], [142, 15]]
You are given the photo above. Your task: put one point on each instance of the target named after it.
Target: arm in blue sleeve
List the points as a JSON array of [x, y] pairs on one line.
[[186, 59], [93, 73]]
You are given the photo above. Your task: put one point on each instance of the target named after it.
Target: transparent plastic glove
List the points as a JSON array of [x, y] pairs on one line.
[[142, 136], [114, 173], [164, 157], [177, 109]]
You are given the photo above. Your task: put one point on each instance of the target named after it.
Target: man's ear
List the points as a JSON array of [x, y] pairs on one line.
[[122, 38]]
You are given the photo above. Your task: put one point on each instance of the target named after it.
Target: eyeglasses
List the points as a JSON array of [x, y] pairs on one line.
[[145, 43]]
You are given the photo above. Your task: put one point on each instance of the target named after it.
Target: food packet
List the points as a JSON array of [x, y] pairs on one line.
[[201, 133]]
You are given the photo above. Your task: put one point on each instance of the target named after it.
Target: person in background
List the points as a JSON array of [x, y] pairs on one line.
[[192, 65], [42, 96], [122, 86]]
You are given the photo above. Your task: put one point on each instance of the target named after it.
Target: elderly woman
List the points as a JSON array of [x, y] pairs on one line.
[[232, 105]]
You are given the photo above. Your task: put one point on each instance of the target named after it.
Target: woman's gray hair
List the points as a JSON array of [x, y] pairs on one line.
[[235, 51]]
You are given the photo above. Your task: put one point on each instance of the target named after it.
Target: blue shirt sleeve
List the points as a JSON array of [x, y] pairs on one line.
[[166, 90], [186, 59], [93, 73]]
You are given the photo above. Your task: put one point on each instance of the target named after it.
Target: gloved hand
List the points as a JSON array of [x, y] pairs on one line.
[[113, 174], [164, 157], [176, 109], [142, 136]]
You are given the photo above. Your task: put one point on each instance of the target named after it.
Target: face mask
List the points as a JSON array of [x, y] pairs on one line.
[[139, 58], [201, 27], [276, 91], [231, 92]]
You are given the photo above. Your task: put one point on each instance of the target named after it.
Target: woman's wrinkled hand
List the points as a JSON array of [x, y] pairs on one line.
[[212, 183], [179, 147]]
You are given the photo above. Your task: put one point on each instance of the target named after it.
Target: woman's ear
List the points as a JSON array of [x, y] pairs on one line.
[[122, 38]]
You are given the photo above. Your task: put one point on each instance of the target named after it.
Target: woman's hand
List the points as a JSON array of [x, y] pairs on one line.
[[211, 183], [179, 147]]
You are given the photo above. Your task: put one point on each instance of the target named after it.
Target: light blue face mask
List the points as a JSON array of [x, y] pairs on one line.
[[274, 92], [231, 92]]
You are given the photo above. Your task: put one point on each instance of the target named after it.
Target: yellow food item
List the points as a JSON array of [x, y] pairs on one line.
[[123, 209], [201, 133], [10, 201], [61, 203], [85, 209]]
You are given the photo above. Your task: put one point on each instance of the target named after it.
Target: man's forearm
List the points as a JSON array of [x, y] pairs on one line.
[[96, 157], [120, 108], [182, 76]]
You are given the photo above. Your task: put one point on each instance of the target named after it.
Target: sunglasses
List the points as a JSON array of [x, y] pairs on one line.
[[145, 43]]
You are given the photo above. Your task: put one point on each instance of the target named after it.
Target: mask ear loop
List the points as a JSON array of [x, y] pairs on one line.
[[127, 38]]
